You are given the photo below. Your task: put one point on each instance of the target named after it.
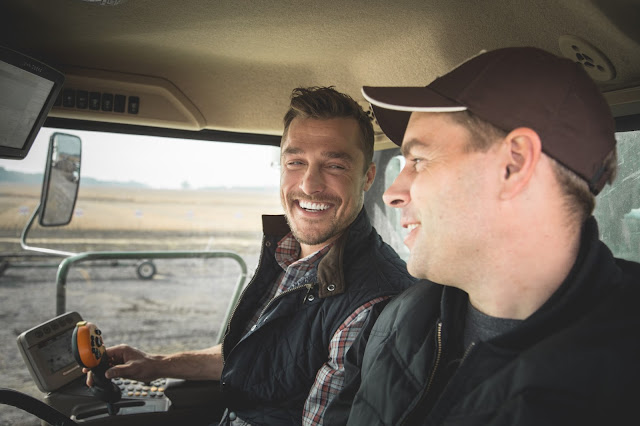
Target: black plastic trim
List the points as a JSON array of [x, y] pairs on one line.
[[628, 123], [206, 135], [623, 124]]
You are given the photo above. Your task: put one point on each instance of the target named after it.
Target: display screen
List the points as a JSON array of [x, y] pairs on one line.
[[23, 96], [28, 90], [56, 352]]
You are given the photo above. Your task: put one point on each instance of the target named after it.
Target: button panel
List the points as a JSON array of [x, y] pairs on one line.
[[98, 101], [136, 389]]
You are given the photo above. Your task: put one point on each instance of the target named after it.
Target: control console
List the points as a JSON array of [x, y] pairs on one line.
[[48, 351]]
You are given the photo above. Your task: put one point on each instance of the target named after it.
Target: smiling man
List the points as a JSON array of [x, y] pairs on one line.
[[527, 318], [323, 275], [323, 182]]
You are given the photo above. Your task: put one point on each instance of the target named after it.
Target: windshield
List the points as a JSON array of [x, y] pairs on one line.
[[170, 194], [137, 193]]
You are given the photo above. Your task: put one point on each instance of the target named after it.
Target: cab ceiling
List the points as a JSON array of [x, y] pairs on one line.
[[237, 61]]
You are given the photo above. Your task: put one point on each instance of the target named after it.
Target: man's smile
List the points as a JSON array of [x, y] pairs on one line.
[[413, 228], [313, 206]]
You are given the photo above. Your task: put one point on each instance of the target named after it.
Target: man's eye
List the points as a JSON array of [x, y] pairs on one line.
[[417, 163], [336, 167]]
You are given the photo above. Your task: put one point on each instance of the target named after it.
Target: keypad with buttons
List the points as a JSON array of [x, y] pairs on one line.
[[136, 389], [98, 101]]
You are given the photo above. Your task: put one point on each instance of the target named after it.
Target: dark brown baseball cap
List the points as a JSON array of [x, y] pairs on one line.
[[510, 88]]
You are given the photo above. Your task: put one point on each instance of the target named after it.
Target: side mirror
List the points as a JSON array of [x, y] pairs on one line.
[[61, 180]]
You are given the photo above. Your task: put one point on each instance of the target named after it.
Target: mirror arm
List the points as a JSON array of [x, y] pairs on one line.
[[25, 246]]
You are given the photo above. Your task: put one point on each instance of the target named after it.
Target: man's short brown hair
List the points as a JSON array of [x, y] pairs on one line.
[[326, 103], [579, 200]]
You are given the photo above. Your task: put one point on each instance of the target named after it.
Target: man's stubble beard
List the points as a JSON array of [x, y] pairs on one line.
[[312, 238], [334, 225]]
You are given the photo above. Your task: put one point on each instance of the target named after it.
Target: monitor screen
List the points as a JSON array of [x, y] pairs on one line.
[[28, 89], [56, 353]]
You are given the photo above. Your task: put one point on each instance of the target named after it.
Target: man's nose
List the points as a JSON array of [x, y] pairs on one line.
[[312, 181], [397, 195]]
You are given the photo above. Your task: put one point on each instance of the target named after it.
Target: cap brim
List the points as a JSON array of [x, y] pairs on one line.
[[393, 106]]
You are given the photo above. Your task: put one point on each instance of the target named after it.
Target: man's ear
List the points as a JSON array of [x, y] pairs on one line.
[[369, 176], [522, 152]]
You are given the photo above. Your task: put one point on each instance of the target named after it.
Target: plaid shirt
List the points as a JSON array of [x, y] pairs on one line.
[[330, 378]]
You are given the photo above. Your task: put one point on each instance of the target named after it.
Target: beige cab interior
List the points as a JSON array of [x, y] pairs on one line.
[[230, 65]]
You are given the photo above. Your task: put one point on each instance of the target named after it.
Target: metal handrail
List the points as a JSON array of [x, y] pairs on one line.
[[63, 269]]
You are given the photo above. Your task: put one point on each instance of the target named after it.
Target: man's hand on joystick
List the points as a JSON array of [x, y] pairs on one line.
[[89, 352]]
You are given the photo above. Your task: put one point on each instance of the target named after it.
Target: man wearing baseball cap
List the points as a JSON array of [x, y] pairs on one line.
[[524, 315]]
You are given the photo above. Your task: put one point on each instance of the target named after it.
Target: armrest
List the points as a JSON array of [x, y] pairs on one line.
[[194, 393]]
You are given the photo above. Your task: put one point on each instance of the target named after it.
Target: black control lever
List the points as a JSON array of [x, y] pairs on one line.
[[89, 351]]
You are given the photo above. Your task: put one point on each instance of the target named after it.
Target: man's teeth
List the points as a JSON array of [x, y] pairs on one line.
[[313, 206], [412, 226]]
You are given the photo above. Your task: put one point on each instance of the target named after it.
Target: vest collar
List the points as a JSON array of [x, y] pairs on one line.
[[331, 280]]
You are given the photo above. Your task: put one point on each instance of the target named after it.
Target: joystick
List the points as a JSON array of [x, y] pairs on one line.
[[89, 352]]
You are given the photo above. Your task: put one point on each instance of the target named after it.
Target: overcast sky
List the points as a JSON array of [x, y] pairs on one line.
[[162, 162]]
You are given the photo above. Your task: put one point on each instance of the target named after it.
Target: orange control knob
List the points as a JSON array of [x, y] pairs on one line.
[[88, 347]]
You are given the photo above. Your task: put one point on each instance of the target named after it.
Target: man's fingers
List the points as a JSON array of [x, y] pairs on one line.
[[116, 371], [89, 380]]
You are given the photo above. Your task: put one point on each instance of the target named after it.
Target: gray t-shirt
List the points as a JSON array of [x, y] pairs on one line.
[[480, 327]]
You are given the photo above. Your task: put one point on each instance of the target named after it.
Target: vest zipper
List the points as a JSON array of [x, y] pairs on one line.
[[438, 357], [433, 372], [308, 286], [467, 352], [233, 312]]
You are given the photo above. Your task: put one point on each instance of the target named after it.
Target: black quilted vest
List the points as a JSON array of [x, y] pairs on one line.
[[268, 373]]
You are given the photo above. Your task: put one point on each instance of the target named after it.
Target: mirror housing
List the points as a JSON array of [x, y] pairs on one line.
[[61, 180]]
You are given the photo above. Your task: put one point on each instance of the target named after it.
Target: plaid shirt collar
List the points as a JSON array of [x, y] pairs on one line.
[[287, 253]]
